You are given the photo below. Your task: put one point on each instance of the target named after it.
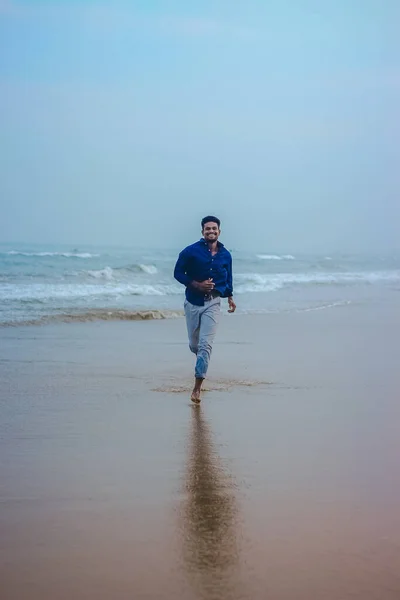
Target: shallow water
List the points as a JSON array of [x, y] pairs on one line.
[[39, 284]]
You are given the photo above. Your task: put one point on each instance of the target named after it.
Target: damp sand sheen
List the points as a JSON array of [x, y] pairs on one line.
[[283, 483]]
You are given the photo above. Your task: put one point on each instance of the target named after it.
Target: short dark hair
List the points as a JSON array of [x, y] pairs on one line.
[[210, 219]]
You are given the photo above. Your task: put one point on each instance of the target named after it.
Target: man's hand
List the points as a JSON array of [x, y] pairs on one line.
[[204, 286], [232, 305]]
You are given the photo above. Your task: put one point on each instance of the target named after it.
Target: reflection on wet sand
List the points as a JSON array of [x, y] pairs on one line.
[[210, 517]]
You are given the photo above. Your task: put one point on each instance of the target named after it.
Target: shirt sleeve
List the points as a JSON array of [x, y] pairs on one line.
[[229, 287], [181, 268]]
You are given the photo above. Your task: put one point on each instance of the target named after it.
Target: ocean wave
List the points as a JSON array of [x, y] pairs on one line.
[[276, 257], [149, 269], [61, 254], [46, 292], [105, 286], [118, 273], [106, 273], [99, 315], [140, 268], [256, 282]]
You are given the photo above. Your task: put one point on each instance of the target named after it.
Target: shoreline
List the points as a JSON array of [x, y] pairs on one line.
[[101, 314], [149, 314]]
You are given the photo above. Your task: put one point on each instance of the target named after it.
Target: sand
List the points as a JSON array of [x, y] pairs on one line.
[[284, 484]]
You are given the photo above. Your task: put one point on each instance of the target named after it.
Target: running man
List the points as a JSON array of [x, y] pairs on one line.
[[205, 268]]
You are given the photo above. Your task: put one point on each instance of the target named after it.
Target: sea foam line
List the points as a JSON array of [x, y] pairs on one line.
[[276, 257], [42, 254]]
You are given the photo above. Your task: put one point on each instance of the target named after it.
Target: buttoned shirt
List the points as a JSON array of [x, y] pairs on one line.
[[197, 263]]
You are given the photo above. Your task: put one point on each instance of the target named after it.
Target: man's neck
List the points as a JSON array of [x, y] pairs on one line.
[[213, 246]]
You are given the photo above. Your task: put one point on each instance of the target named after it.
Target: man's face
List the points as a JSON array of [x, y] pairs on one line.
[[211, 231]]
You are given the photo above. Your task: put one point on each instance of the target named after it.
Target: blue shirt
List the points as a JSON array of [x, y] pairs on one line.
[[196, 263]]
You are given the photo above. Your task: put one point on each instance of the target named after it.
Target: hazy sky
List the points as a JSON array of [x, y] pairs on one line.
[[126, 122]]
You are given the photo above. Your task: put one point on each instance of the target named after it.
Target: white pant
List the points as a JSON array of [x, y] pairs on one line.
[[201, 323]]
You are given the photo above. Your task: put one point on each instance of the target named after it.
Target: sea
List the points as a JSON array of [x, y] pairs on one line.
[[46, 283]]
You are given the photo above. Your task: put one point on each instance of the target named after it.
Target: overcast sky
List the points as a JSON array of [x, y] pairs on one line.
[[126, 122]]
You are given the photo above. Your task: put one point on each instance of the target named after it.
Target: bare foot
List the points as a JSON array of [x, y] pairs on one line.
[[195, 397]]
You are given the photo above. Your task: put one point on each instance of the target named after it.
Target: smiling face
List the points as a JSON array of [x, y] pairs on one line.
[[211, 231]]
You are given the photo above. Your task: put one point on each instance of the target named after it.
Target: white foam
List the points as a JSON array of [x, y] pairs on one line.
[[275, 257], [324, 306], [106, 273], [45, 292], [119, 273], [62, 254], [149, 269], [256, 282], [107, 283]]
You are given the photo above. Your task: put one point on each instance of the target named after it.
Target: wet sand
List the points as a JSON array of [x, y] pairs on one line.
[[283, 484]]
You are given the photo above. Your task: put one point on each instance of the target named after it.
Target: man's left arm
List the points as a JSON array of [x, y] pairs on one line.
[[229, 290]]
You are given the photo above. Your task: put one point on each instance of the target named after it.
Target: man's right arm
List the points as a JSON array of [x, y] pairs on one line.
[[180, 274], [180, 271]]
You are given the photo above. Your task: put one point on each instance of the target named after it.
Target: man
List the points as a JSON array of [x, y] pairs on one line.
[[205, 268]]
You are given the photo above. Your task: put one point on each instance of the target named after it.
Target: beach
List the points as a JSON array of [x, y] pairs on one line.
[[284, 483], [157, 155]]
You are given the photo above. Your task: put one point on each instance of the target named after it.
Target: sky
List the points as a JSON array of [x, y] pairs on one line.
[[127, 122]]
